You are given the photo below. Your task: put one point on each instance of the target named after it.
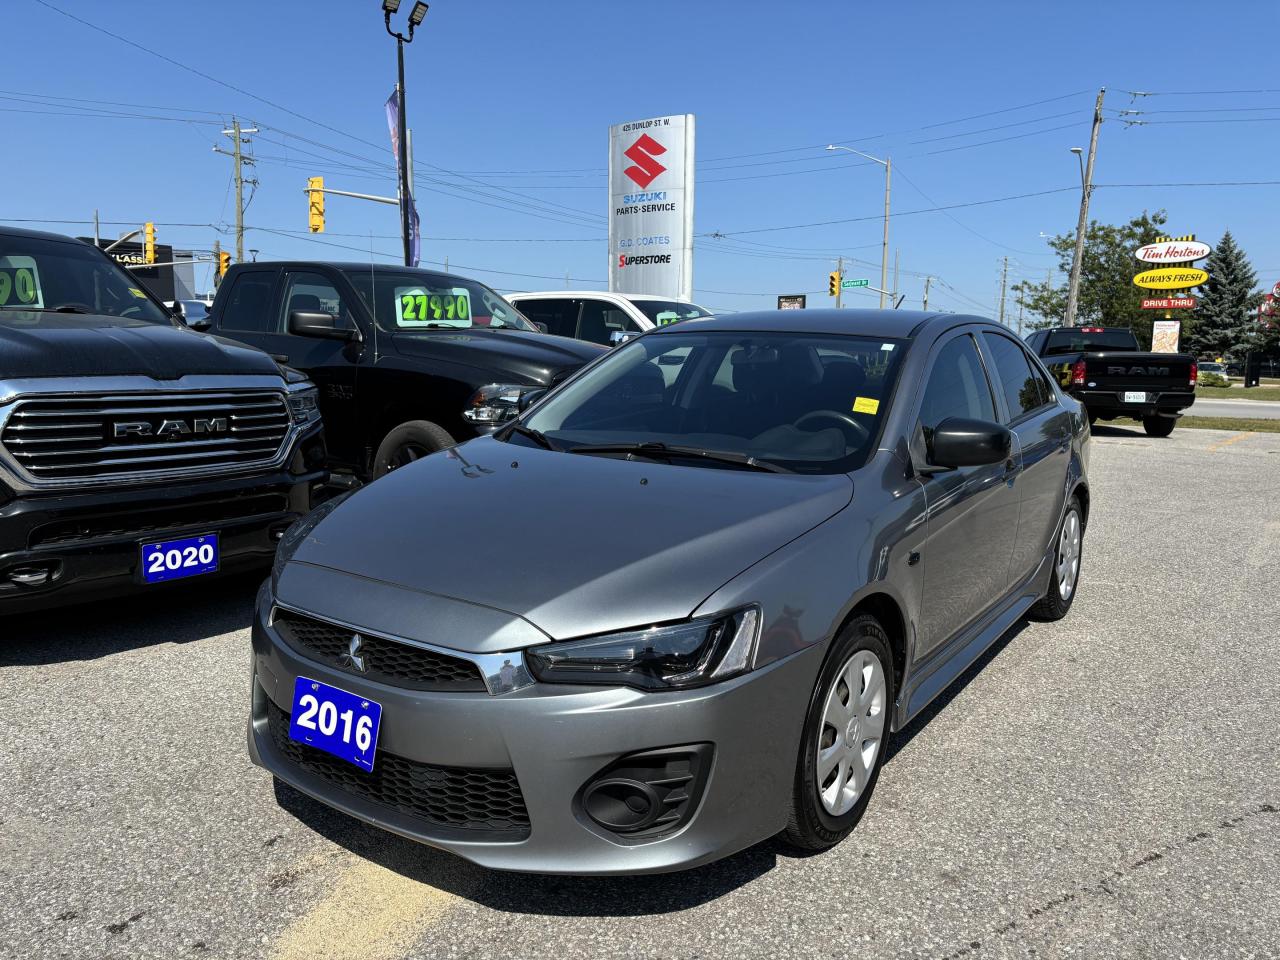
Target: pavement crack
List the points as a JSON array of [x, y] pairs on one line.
[[123, 925]]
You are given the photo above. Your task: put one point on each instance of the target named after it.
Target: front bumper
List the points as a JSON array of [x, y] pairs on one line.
[[555, 739], [1110, 403], [90, 541]]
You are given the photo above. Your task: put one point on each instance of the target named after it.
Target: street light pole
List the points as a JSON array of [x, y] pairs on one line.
[[887, 163], [415, 18], [1086, 188]]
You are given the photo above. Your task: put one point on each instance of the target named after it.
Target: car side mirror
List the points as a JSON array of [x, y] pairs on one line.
[[961, 442], [311, 323], [527, 400], [540, 325], [200, 324]]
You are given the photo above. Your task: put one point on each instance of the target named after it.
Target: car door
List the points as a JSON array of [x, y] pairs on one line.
[[1030, 409], [246, 310], [972, 512]]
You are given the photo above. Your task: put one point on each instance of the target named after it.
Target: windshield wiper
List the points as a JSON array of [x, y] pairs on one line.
[[656, 448], [537, 436]]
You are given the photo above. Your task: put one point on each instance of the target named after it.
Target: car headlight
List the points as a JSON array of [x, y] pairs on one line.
[[298, 531], [304, 405], [497, 403], [681, 655]]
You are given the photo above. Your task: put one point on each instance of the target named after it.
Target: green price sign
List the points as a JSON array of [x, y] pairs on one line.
[[428, 308], [18, 286]]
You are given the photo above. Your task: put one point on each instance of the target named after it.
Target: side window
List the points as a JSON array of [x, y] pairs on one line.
[[957, 385], [602, 322], [313, 293], [560, 316], [1023, 389], [248, 305]]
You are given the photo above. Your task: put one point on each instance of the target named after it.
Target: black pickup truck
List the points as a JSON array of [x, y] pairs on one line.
[[133, 450], [1104, 369], [407, 361]]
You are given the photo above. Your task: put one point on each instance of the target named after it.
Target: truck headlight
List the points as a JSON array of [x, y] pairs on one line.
[[497, 403], [304, 405], [689, 654]]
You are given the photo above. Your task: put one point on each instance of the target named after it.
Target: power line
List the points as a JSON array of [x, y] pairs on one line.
[[959, 223]]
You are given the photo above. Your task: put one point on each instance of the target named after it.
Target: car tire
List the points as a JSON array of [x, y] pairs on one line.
[[1064, 578], [827, 801], [1158, 426], [409, 442]]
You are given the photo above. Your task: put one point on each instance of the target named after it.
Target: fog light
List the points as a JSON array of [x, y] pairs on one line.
[[646, 796]]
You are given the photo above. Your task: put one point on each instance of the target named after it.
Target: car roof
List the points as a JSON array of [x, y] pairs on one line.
[[36, 234], [892, 324], [355, 265], [598, 293]]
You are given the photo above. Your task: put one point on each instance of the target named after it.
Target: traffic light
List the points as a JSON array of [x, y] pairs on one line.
[[315, 204], [224, 261], [833, 283], [149, 242]]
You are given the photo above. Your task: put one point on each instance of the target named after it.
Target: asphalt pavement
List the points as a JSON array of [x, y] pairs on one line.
[[1106, 786]]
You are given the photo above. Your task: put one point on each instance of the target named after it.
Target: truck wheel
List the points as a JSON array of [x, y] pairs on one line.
[[1065, 574], [409, 442], [1158, 426], [845, 733]]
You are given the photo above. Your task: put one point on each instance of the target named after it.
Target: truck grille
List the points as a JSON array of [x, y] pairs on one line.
[[463, 798], [387, 661], [106, 436]]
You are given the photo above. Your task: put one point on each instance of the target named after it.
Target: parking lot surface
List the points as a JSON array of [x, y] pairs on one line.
[[1108, 785]]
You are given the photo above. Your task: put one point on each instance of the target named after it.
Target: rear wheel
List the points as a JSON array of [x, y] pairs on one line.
[[1066, 566], [846, 729], [1158, 426], [409, 442]]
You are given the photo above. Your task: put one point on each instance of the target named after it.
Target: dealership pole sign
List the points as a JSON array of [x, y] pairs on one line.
[[651, 207]]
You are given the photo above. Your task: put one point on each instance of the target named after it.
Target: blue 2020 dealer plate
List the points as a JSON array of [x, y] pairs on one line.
[[174, 559], [335, 721]]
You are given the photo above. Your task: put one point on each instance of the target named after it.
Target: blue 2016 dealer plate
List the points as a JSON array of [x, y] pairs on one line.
[[335, 721], [174, 559]]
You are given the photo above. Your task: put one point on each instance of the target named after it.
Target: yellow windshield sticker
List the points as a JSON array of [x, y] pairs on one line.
[[137, 293], [866, 405]]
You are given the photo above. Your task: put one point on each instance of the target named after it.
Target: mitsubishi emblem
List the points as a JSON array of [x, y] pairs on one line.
[[353, 658]]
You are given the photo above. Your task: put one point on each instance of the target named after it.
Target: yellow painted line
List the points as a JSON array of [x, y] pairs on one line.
[[370, 913], [1230, 440]]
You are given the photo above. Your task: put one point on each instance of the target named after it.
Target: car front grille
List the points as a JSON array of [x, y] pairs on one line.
[[149, 521], [480, 800], [112, 436], [386, 661]]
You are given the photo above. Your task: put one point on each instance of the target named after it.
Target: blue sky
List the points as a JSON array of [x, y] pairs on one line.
[[497, 89]]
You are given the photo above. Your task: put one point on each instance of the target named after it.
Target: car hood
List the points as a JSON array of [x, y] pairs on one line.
[[58, 344], [572, 544], [527, 357]]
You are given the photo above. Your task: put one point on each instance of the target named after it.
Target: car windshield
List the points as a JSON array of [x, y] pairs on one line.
[[662, 312], [403, 300], [800, 402], [66, 276], [1082, 340]]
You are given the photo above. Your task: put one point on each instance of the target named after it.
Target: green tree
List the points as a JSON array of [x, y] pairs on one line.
[[1107, 294], [1225, 321]]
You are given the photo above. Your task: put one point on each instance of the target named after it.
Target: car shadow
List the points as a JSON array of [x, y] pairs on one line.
[[179, 614], [1122, 428], [529, 893]]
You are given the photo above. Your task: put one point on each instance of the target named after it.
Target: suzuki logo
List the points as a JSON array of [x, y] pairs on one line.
[[641, 153], [168, 428], [353, 658]]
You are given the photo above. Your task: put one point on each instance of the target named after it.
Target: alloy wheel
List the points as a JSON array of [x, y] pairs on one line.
[[407, 454], [851, 733], [1068, 554]]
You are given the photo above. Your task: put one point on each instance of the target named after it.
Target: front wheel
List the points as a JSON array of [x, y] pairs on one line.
[[1158, 426], [1065, 575], [846, 729], [409, 442]]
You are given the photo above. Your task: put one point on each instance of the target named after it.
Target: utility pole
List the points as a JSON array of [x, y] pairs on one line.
[[97, 241], [217, 251], [897, 263], [1086, 188], [1004, 276], [238, 137], [1020, 313], [925, 305], [884, 246], [840, 281]]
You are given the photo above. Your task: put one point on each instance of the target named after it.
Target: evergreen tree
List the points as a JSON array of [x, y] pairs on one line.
[[1224, 322]]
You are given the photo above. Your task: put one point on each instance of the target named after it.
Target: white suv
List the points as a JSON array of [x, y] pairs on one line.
[[608, 318]]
